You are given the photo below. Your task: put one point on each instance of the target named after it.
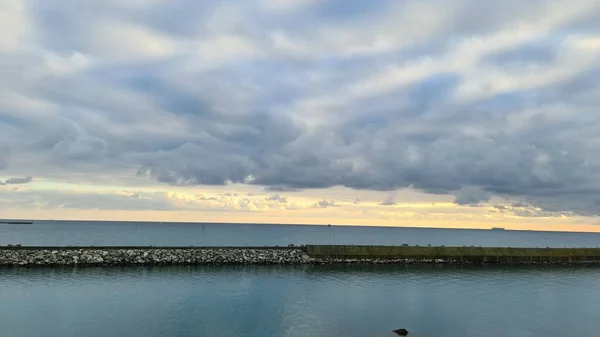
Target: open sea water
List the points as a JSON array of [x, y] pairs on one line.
[[100, 233], [289, 301]]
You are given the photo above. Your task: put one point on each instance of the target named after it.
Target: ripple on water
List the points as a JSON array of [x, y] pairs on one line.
[[253, 301]]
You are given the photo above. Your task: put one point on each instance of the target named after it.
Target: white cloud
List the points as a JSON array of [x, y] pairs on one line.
[[128, 42], [222, 49], [58, 65], [287, 5], [15, 25]]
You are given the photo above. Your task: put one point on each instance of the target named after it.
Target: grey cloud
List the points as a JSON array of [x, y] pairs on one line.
[[521, 57], [280, 189], [79, 148], [526, 210], [277, 198], [324, 204], [310, 117], [15, 181], [245, 203], [109, 202], [347, 9], [389, 200], [236, 148], [3, 159], [52, 200], [470, 195]]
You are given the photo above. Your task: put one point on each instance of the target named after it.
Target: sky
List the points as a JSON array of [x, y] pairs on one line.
[[462, 113]]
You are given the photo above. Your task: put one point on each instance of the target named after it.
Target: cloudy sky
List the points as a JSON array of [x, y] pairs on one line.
[[461, 113]]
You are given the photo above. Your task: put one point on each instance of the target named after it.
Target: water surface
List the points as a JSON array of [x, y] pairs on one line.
[[48, 233], [260, 301]]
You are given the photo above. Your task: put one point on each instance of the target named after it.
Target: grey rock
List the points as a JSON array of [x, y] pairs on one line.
[[401, 332]]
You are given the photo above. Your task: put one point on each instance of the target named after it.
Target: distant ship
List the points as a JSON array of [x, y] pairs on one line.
[[498, 228]]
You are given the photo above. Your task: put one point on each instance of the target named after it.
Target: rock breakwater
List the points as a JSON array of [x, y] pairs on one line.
[[26, 256], [137, 256]]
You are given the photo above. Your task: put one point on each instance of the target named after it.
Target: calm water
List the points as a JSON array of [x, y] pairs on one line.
[[313, 301], [129, 233], [294, 301]]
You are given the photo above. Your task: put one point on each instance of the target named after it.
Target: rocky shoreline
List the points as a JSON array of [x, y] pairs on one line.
[[18, 256]]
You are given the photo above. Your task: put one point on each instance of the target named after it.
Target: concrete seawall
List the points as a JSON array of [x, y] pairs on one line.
[[311, 254], [458, 254]]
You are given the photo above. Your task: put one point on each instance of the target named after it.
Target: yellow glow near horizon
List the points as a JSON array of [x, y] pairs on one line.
[[251, 204], [286, 218]]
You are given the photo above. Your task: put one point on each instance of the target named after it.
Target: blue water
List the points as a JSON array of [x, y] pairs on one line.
[[260, 301], [49, 233]]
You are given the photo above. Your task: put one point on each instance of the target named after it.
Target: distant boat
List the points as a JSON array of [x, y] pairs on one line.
[[498, 228], [16, 222]]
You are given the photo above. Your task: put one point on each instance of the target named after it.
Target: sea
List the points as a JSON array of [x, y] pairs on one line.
[[290, 301], [107, 233]]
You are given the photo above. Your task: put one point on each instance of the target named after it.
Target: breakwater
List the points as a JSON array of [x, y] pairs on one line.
[[457, 254], [51, 256], [311, 254]]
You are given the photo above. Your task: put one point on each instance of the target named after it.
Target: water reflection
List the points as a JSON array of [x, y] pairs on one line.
[[289, 301]]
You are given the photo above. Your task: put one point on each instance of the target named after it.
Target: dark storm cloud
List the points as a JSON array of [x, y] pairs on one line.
[[310, 95]]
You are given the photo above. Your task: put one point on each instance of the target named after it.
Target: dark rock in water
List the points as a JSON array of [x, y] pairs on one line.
[[401, 332]]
